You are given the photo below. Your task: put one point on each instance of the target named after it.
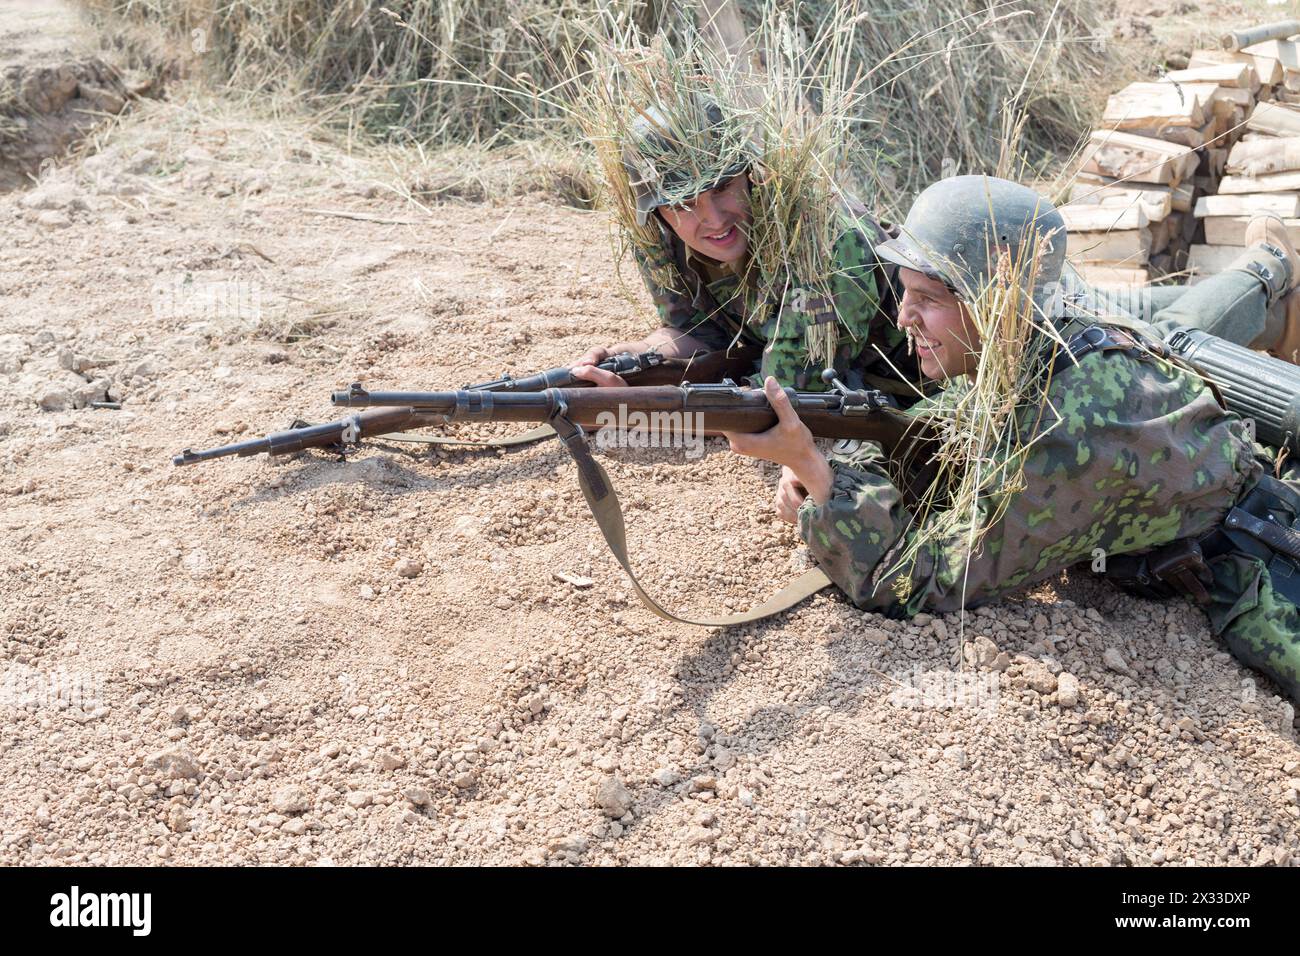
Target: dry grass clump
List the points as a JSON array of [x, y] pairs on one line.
[[944, 77], [473, 173], [979, 86], [811, 98], [14, 113], [436, 71], [678, 116]]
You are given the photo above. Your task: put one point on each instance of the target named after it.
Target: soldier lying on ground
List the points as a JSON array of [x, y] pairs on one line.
[[1126, 453]]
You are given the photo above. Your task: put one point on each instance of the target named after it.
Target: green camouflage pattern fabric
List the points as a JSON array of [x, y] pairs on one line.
[[713, 312], [1258, 623], [1141, 455]]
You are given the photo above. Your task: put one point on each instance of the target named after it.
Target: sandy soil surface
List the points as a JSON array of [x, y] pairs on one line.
[[310, 661]]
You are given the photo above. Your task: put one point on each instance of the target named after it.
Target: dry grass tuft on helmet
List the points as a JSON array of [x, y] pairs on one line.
[[989, 420], [669, 119]]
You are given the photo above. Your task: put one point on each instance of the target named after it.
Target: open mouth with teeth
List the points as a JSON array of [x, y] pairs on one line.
[[921, 345], [724, 238]]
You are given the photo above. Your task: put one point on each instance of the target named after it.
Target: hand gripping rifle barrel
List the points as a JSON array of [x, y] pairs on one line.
[[645, 368], [625, 363]]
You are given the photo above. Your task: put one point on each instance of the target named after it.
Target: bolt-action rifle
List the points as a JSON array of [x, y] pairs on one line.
[[841, 413], [647, 369], [712, 409]]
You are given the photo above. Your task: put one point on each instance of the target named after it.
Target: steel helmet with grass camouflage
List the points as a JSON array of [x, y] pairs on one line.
[[958, 228], [672, 159]]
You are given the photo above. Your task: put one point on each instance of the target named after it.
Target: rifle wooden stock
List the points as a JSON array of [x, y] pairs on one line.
[[367, 424]]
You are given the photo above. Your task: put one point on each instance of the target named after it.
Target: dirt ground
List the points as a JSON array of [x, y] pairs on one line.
[[313, 661]]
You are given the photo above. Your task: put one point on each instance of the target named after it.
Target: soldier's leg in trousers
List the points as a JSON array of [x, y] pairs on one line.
[[1232, 305], [1267, 636], [1161, 297], [1244, 304], [1226, 309], [1141, 302]]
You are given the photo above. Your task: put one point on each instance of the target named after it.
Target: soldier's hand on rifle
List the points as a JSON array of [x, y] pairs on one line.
[[593, 355], [585, 368], [790, 494], [789, 443], [667, 341]]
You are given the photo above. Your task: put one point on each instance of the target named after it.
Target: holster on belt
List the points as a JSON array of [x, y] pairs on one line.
[[1182, 567], [1177, 568]]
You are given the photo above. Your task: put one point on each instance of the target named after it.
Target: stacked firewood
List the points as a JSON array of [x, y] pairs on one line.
[[1181, 164]]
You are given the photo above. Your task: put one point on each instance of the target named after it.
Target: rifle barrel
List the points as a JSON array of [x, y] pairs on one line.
[[276, 443], [341, 432], [625, 363]]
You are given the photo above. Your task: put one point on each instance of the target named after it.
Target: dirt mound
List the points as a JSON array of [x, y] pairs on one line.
[[55, 86]]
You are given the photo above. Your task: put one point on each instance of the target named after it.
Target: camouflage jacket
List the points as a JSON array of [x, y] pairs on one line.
[[1131, 454], [864, 301]]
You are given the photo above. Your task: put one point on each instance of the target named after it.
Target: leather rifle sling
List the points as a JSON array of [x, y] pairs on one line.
[[603, 501]]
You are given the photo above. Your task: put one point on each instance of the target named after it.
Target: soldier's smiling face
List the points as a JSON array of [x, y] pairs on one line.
[[716, 222], [946, 341]]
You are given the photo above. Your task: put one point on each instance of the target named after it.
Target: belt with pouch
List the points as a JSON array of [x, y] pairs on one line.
[[1264, 524]]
